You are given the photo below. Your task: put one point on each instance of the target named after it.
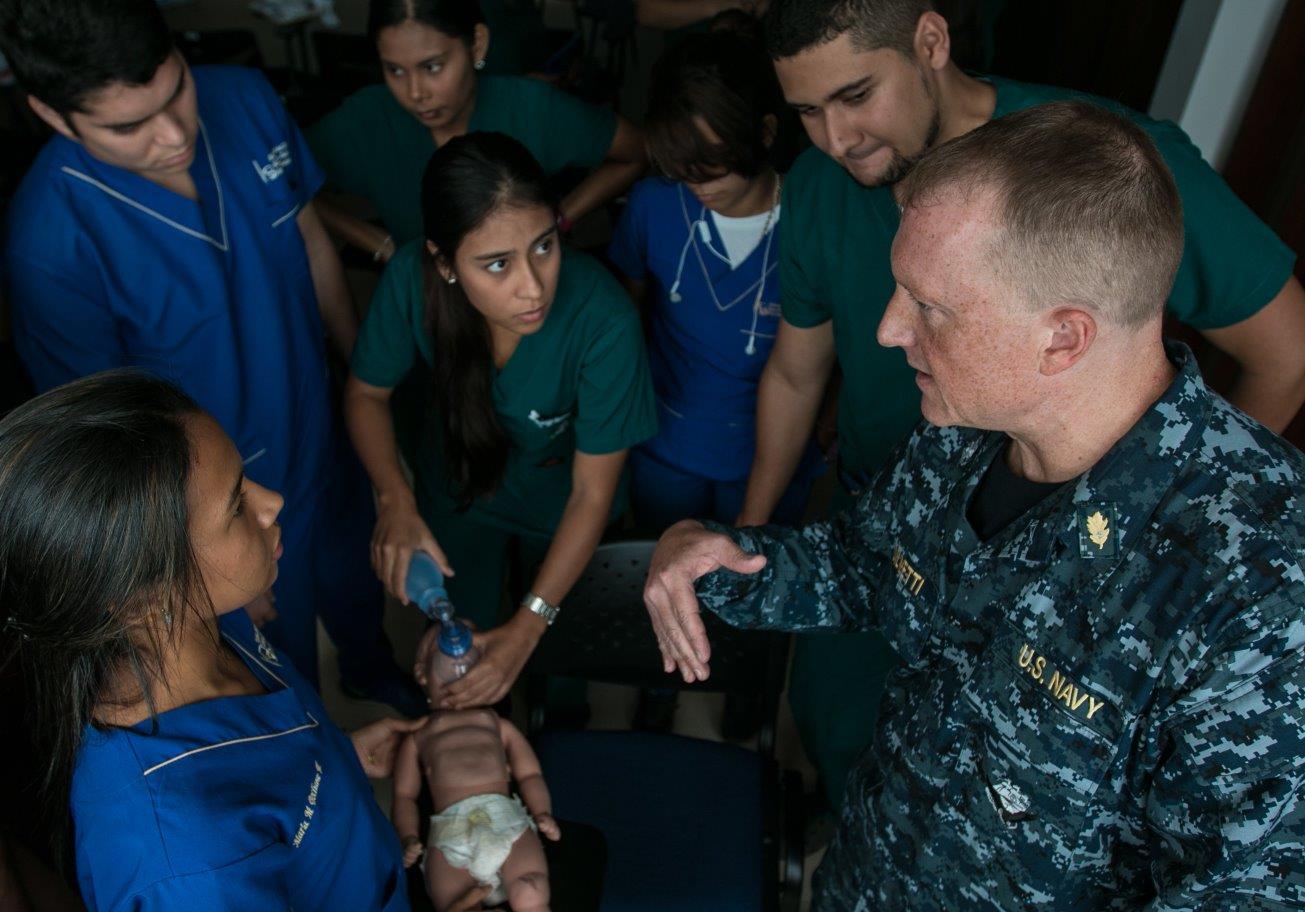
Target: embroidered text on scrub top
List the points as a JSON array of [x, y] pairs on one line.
[[310, 808], [554, 425], [278, 159]]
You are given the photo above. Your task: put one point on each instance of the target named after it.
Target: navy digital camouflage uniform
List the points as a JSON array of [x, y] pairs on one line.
[[1102, 707]]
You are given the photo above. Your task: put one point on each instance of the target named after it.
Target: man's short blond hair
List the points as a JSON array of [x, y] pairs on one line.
[[1090, 214]]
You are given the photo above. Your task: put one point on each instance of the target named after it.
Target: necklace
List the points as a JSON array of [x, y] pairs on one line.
[[766, 268]]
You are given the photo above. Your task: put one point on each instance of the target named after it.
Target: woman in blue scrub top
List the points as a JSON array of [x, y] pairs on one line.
[[540, 386], [705, 234], [200, 768]]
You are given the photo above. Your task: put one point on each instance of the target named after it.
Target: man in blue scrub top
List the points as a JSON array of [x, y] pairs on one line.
[[169, 225]]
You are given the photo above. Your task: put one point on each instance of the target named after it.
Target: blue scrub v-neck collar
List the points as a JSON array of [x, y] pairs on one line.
[[717, 268], [179, 733], [203, 219], [730, 285]]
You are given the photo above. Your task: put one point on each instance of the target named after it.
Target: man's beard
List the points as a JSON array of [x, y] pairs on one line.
[[901, 165]]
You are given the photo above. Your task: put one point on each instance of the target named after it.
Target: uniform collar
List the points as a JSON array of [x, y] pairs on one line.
[[1141, 468], [198, 728], [1101, 514], [203, 220]]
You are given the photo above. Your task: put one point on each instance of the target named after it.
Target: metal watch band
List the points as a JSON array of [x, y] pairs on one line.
[[540, 607]]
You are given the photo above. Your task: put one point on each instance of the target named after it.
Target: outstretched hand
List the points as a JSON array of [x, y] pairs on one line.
[[686, 552]]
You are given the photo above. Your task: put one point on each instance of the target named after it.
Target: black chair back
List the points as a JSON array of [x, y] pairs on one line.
[[604, 634]]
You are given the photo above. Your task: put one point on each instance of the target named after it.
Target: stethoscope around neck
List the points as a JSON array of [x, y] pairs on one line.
[[700, 226]]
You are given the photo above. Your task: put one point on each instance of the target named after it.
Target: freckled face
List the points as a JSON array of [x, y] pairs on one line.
[[973, 343]]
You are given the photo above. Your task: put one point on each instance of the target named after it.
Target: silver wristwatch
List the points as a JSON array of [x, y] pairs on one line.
[[540, 607]]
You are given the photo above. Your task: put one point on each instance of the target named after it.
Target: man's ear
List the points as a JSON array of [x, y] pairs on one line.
[[57, 121], [1072, 332], [933, 42]]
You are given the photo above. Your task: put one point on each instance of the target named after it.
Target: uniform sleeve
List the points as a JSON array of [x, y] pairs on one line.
[[340, 146], [1233, 264], [251, 883], [1226, 812], [628, 250], [387, 346], [61, 330], [574, 133], [799, 252], [615, 408], [305, 175], [822, 576]]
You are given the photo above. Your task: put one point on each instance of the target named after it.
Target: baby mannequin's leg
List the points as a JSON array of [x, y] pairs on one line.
[[525, 875], [445, 883]]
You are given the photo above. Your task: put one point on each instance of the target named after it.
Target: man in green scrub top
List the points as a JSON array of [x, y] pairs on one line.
[[875, 87], [580, 383]]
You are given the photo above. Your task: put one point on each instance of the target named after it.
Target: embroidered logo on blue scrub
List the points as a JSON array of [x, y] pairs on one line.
[[265, 650], [278, 159], [555, 425]]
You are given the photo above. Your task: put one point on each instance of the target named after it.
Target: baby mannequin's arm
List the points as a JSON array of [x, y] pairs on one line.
[[407, 788], [524, 767]]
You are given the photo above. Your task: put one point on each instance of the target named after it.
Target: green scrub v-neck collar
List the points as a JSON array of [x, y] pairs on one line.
[[523, 358], [516, 350]]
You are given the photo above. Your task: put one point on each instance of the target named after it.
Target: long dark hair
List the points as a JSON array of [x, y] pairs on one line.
[[724, 78], [455, 18], [94, 544], [468, 179]]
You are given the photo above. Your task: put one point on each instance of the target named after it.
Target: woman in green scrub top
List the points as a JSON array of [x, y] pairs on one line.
[[539, 386], [433, 52]]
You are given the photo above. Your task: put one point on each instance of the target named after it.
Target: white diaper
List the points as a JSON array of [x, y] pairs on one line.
[[478, 833]]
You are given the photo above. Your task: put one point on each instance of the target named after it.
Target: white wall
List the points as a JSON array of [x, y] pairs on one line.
[[1208, 100]]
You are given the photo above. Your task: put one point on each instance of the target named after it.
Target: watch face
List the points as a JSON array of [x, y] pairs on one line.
[[542, 608]]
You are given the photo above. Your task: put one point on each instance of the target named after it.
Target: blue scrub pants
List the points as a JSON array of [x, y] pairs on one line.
[[326, 572], [662, 495]]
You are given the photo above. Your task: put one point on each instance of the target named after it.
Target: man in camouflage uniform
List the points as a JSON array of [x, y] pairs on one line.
[[1089, 563]]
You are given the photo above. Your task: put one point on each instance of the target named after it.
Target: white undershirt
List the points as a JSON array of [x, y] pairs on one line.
[[741, 236]]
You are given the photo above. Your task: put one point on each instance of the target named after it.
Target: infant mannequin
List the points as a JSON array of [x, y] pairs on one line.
[[479, 834]]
